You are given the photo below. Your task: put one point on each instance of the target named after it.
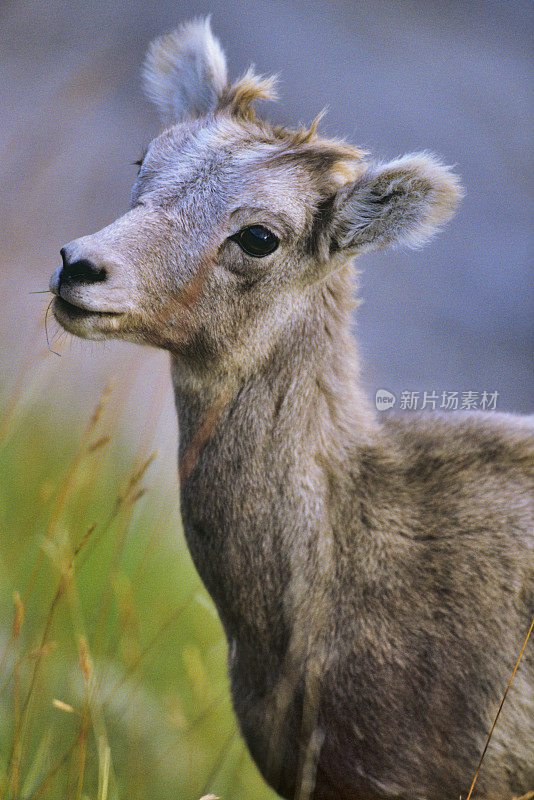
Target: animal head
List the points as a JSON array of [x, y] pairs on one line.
[[234, 221]]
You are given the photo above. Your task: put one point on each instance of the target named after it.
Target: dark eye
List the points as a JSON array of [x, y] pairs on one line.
[[257, 241]]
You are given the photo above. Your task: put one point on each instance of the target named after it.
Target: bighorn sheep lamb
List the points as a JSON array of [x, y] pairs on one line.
[[375, 580]]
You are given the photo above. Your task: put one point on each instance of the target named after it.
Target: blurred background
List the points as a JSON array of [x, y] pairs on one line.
[[451, 77]]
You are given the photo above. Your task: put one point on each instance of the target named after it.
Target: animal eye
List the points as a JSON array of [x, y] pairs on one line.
[[256, 240]]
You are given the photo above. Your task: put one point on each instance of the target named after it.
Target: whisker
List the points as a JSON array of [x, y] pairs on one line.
[[41, 291], [46, 330]]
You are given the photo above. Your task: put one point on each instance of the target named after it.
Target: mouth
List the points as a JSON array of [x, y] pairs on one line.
[[84, 322], [77, 312]]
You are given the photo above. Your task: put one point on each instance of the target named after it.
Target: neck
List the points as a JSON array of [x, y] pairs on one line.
[[309, 375], [259, 454]]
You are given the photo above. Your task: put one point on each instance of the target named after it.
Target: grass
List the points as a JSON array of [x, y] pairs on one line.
[[112, 660]]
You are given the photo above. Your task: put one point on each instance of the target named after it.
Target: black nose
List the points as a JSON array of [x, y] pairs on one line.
[[81, 270]]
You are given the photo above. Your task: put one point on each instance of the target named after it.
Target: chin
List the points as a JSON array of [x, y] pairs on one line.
[[86, 324]]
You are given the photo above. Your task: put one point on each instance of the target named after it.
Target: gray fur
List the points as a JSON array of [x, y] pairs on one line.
[[184, 72], [375, 580]]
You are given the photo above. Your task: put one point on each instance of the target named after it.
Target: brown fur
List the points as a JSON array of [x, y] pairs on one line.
[[375, 580]]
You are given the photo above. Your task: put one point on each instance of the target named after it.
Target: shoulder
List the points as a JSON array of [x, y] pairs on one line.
[[466, 437]]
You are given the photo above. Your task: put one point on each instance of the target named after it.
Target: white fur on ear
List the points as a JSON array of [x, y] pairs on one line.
[[184, 72], [404, 202]]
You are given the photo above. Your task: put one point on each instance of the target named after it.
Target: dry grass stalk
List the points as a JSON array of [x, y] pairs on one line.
[[81, 750], [19, 717], [86, 667], [15, 764], [49, 777], [85, 538], [42, 652], [104, 758], [45, 648], [85, 661], [497, 716], [135, 478], [92, 708], [99, 409], [59, 704], [98, 444], [127, 504], [18, 617], [68, 482]]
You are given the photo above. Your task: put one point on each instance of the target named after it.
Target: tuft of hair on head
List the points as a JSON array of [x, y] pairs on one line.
[[184, 72], [239, 98], [331, 163]]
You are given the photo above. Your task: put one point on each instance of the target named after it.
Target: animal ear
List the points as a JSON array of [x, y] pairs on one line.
[[404, 202], [184, 72]]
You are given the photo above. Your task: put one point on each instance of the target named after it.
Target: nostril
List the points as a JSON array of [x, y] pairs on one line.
[[80, 271]]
